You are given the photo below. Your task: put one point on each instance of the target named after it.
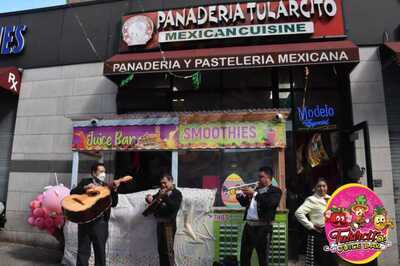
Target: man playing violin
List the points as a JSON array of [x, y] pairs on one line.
[[96, 231], [168, 201]]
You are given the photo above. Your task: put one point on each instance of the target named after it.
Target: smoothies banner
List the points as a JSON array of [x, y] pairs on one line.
[[159, 137], [210, 131]]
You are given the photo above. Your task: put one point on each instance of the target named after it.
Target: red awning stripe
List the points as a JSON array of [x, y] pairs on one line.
[[395, 48], [329, 52]]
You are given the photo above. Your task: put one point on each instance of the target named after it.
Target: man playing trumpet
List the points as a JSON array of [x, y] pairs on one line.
[[261, 204]]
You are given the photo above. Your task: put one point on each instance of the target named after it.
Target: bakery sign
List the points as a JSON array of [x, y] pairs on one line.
[[333, 52], [312, 18]]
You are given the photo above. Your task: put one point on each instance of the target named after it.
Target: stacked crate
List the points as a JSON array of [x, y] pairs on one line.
[[228, 227]]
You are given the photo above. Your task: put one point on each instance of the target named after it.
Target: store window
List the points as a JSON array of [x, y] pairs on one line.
[[198, 91], [222, 90], [285, 85], [222, 168], [145, 92]]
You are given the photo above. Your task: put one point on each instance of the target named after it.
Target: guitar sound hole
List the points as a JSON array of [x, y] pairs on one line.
[[79, 201]]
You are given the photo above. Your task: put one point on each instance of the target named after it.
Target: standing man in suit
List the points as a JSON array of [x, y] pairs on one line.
[[96, 231], [169, 200], [261, 204]]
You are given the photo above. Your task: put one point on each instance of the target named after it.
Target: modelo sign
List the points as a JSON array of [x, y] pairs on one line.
[[312, 18], [316, 116], [12, 39]]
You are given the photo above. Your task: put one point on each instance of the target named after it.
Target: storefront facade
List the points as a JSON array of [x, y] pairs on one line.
[[87, 73], [10, 85]]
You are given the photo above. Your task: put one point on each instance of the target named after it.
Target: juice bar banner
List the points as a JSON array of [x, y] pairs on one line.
[[309, 18], [195, 131], [141, 137]]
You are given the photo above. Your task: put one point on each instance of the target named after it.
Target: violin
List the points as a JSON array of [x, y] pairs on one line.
[[156, 203]]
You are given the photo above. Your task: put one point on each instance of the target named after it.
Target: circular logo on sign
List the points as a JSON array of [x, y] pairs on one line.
[[137, 30], [356, 224]]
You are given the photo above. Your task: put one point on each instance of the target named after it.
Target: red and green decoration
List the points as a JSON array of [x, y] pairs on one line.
[[196, 80]]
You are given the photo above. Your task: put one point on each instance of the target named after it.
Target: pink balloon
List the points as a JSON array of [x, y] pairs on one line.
[[39, 222], [35, 204], [31, 220], [53, 196], [38, 212], [48, 223], [59, 220], [45, 212], [39, 198]]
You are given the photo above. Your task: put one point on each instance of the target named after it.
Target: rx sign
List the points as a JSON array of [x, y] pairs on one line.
[[10, 79]]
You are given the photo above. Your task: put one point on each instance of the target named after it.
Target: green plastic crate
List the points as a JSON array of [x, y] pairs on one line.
[[228, 227]]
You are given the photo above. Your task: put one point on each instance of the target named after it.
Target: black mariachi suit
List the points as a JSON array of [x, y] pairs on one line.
[[166, 226], [95, 232], [258, 236]]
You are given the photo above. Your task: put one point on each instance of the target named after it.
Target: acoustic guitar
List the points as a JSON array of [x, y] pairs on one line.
[[84, 208], [87, 207]]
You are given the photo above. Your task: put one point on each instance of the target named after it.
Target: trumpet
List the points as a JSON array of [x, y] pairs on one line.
[[255, 184]]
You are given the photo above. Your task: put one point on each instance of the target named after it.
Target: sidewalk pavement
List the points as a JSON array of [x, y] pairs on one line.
[[12, 254]]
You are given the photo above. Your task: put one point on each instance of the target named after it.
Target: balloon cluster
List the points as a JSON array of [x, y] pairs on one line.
[[46, 213]]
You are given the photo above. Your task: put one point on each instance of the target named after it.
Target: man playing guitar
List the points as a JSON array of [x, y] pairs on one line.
[[165, 206], [96, 231]]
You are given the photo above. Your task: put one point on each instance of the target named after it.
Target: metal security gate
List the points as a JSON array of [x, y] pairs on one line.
[[8, 110], [391, 79]]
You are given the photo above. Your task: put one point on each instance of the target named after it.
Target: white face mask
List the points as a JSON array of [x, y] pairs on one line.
[[102, 176]]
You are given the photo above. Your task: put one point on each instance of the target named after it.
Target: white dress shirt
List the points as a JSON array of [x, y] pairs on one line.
[[314, 206], [252, 214]]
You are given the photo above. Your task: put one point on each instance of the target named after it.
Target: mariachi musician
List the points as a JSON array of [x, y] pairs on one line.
[[96, 231], [165, 206], [261, 204]]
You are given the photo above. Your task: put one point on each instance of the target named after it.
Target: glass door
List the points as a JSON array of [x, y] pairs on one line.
[[361, 171]]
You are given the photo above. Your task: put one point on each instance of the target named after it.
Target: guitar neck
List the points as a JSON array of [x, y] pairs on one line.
[[125, 179]]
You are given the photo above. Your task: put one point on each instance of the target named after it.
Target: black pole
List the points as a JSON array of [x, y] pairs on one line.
[[367, 147]]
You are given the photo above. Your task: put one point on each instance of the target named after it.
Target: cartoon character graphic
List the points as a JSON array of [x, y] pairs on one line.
[[170, 142], [338, 217], [359, 209], [83, 142], [381, 221]]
